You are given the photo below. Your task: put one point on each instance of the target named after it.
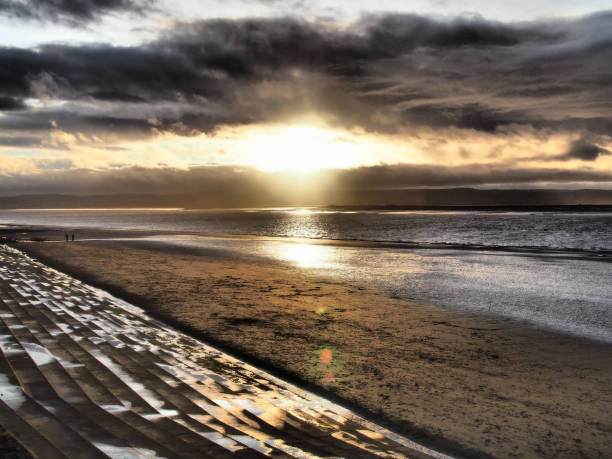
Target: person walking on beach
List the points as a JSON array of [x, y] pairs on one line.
[[66, 234], [72, 237]]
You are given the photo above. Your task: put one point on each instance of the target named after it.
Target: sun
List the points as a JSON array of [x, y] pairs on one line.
[[303, 148]]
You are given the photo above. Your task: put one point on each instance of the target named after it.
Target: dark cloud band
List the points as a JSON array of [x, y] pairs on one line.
[[71, 11], [383, 74], [585, 150]]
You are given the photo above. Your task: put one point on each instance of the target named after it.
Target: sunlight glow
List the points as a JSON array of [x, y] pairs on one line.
[[304, 148]]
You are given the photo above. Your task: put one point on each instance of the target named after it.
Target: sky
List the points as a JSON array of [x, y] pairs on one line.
[[146, 96]]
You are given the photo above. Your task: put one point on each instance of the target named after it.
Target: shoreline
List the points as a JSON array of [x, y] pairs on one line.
[[596, 254], [254, 247], [452, 342], [373, 207]]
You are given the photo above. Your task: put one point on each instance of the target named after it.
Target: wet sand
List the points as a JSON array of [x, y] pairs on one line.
[[464, 384]]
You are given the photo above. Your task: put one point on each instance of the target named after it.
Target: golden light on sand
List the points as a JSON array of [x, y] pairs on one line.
[[304, 148]]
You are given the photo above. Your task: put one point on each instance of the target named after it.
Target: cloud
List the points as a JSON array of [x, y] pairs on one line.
[[405, 75], [468, 116], [584, 150], [72, 11], [115, 96], [407, 176], [19, 141], [53, 164], [10, 103]]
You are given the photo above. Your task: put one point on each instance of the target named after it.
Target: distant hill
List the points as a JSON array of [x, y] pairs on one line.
[[485, 198], [439, 197]]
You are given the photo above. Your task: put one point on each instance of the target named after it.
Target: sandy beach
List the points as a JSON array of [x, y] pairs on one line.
[[467, 385]]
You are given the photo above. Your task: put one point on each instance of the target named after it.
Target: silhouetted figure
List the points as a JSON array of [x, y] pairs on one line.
[[66, 234], [72, 237]]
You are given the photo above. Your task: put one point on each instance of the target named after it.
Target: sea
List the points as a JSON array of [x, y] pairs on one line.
[[546, 269]]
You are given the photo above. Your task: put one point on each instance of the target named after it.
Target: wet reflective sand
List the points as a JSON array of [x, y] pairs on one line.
[[555, 290]]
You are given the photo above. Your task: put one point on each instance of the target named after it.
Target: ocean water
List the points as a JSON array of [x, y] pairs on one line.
[[558, 230], [551, 270]]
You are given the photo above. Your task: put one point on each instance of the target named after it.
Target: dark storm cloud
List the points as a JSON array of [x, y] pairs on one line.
[[469, 116], [64, 120], [540, 91], [19, 141], [10, 103], [116, 96], [585, 150], [72, 11], [383, 73], [180, 123]]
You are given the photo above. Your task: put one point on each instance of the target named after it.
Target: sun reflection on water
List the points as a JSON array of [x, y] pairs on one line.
[[305, 255], [300, 212]]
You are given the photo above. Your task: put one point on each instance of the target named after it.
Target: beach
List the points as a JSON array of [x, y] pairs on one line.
[[86, 374], [398, 210], [466, 384]]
